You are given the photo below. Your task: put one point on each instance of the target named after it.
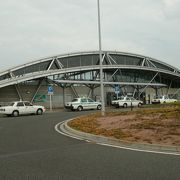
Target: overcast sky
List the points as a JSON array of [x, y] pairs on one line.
[[32, 29]]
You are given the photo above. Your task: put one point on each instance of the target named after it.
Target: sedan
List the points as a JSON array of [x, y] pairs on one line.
[[82, 103], [21, 107], [126, 102]]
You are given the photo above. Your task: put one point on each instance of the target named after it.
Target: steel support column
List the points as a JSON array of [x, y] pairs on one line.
[[149, 83], [38, 87], [18, 92]]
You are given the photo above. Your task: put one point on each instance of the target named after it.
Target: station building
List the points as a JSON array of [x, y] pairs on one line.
[[78, 75]]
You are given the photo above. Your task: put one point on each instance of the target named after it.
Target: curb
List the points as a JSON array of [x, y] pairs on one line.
[[118, 143]]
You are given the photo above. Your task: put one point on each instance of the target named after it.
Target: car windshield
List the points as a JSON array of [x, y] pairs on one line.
[[90, 100], [157, 97], [11, 104], [132, 99], [83, 100], [121, 98], [28, 104], [75, 100]]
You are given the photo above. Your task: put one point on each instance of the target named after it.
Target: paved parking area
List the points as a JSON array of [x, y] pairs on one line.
[[31, 149]]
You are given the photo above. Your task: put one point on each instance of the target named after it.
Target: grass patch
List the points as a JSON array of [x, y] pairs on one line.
[[89, 124], [163, 121]]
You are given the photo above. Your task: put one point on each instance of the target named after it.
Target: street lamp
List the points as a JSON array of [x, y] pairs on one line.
[[100, 63]]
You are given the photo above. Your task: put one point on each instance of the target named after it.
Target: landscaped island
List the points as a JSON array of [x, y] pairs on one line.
[[158, 124]]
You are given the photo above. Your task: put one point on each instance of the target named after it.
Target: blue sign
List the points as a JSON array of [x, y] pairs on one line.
[[50, 90], [117, 88]]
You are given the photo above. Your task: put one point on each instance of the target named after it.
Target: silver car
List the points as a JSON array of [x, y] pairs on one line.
[[126, 102], [82, 103]]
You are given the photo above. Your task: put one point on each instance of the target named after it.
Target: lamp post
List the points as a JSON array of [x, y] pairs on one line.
[[100, 63]]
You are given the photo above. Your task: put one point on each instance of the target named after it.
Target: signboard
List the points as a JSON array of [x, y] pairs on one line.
[[117, 88], [40, 98], [50, 93], [50, 90]]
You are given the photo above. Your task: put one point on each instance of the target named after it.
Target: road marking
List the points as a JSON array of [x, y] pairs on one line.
[[114, 146], [68, 135], [140, 150]]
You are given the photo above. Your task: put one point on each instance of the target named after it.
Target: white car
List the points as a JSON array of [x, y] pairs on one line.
[[126, 101], [82, 103], [162, 99], [21, 107]]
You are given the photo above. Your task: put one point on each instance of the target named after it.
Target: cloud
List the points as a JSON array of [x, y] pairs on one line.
[[32, 29], [171, 3], [171, 9]]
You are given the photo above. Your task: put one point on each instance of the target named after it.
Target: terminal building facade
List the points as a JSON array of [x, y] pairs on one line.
[[78, 75]]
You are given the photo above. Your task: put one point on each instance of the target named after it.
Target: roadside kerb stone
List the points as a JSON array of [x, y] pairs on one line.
[[117, 142]]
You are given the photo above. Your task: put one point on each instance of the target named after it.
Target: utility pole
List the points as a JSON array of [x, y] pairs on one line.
[[100, 63]]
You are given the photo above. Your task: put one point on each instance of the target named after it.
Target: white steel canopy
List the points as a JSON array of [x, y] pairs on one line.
[[83, 67]]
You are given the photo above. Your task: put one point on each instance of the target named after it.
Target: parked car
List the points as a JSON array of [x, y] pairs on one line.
[[21, 107], [82, 103], [162, 99], [126, 101]]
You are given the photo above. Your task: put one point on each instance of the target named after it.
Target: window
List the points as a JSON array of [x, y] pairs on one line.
[[121, 98], [11, 104], [90, 100], [83, 100], [132, 99], [75, 100], [27, 104], [20, 104]]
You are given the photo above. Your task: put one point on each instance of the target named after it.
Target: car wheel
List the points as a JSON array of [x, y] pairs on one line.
[[124, 105], [15, 113], [39, 112], [99, 107], [80, 108], [117, 106], [139, 105]]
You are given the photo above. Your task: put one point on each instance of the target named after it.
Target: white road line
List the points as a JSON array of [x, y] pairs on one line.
[[114, 146], [68, 135], [140, 150]]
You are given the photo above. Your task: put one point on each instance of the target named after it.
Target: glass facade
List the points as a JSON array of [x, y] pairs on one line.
[[82, 60], [116, 74], [162, 66], [129, 75], [126, 60], [32, 68]]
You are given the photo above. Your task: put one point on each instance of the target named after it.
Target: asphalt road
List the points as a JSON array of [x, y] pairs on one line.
[[30, 149]]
